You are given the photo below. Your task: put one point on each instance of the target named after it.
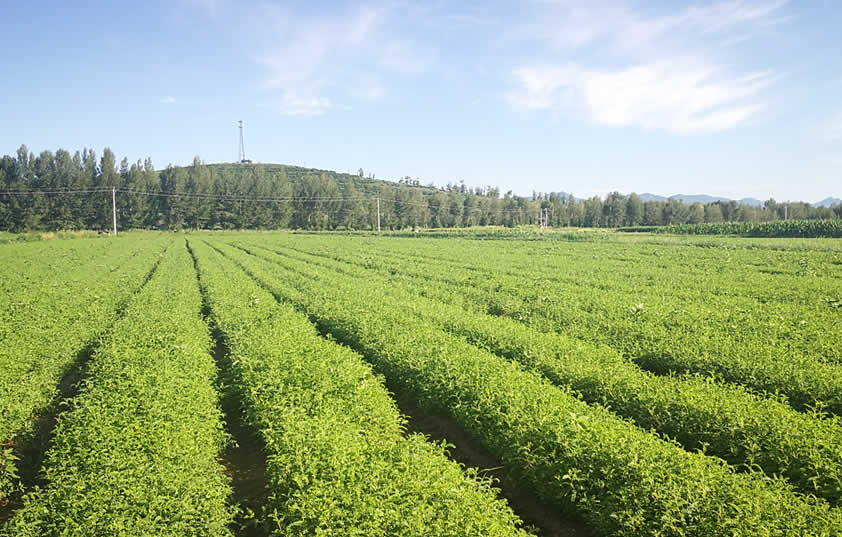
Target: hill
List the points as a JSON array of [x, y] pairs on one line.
[[828, 202], [296, 174], [699, 198]]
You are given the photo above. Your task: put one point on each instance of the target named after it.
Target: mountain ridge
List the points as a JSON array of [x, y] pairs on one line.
[[828, 202], [706, 198]]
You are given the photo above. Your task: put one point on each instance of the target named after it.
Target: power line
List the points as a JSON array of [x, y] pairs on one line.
[[214, 197], [462, 207], [203, 196], [66, 191]]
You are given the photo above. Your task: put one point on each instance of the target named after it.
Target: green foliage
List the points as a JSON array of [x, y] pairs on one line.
[[536, 348], [136, 452], [724, 420], [746, 430], [242, 196], [337, 460], [56, 298], [762, 318], [785, 228], [622, 479]]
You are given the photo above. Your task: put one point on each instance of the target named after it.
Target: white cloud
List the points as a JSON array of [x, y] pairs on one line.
[[169, 99], [675, 97], [313, 61], [656, 71], [619, 24]]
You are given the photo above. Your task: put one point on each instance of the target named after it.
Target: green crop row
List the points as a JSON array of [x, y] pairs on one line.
[[338, 462], [781, 228], [23, 265], [136, 452], [623, 480], [662, 339], [766, 320], [731, 301], [726, 268], [58, 307], [742, 428], [724, 420]]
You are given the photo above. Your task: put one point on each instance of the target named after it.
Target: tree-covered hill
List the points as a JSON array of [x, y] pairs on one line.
[[365, 184], [63, 191]]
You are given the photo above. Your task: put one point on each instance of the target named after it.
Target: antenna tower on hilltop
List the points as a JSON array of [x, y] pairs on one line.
[[242, 158]]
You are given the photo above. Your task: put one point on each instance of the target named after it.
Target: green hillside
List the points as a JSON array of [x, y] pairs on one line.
[[367, 185], [64, 191]]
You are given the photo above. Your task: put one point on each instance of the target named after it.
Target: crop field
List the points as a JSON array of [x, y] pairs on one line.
[[468, 384], [779, 228]]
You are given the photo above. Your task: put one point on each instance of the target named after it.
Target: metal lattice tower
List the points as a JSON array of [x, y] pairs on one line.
[[242, 157]]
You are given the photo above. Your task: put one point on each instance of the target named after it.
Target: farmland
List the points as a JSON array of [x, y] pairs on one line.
[[475, 383]]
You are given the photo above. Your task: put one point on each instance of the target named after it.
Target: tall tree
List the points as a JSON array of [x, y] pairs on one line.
[[713, 213], [614, 210], [634, 210], [280, 189], [696, 214], [593, 212], [197, 186], [653, 213]]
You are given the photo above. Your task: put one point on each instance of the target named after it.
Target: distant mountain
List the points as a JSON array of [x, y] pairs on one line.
[[697, 198], [652, 197], [751, 201], [704, 198], [828, 202]]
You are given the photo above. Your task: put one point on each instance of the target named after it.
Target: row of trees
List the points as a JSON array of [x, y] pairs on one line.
[[53, 191], [618, 210]]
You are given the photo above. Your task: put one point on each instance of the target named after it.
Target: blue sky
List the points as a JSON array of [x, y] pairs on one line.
[[734, 97]]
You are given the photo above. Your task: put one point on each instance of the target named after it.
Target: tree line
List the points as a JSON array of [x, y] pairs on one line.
[[63, 191]]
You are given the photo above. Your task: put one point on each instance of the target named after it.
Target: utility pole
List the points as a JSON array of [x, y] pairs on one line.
[[114, 208], [378, 215]]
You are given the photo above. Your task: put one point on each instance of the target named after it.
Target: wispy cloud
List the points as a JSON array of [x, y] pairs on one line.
[[655, 71], [311, 62], [169, 99], [678, 97], [627, 28]]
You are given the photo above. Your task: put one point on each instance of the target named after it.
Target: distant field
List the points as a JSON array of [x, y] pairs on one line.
[[6, 237], [588, 382], [781, 228]]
